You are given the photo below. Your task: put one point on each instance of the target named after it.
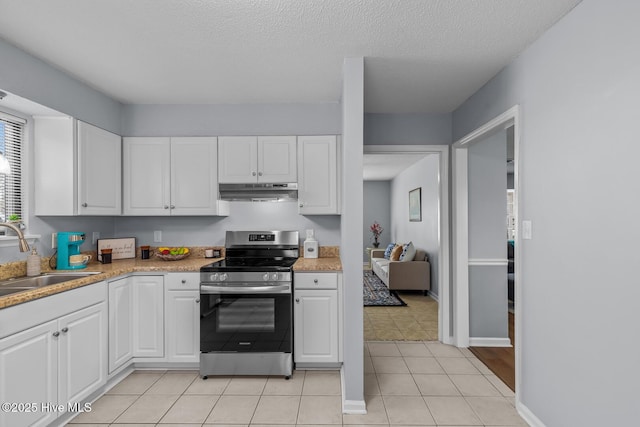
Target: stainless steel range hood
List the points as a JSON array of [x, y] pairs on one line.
[[259, 192]]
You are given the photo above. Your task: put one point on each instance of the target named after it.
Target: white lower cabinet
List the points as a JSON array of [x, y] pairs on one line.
[[148, 316], [182, 317], [120, 323], [51, 367], [316, 319]]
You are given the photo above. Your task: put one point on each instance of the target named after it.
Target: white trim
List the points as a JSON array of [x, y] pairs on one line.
[[460, 232], [488, 262], [354, 407], [489, 342], [528, 416], [444, 329], [460, 266], [12, 118]]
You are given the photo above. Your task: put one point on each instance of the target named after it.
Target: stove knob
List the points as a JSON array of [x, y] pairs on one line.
[[265, 276], [274, 276], [214, 277], [223, 277]]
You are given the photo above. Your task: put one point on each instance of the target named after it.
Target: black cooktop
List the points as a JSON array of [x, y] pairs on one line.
[[250, 264]]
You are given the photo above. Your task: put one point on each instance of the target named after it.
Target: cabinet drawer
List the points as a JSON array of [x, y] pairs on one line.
[[315, 281], [183, 281]]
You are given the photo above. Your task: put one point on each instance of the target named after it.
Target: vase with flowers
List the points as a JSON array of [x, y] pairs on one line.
[[376, 230]]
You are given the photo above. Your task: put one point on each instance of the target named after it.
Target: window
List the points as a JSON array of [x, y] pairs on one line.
[[11, 133]]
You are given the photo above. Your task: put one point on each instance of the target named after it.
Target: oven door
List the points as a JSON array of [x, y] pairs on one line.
[[245, 321]]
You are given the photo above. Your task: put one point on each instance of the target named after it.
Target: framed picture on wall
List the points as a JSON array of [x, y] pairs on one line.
[[415, 204]]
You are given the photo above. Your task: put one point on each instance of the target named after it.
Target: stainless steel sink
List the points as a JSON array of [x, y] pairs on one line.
[[20, 284]]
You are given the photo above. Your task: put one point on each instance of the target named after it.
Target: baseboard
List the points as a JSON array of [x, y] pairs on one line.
[[528, 416], [489, 342], [353, 407]]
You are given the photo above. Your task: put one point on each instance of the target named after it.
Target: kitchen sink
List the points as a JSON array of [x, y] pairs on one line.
[[20, 284]]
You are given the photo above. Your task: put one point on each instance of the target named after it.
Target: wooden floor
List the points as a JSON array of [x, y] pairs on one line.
[[501, 360]]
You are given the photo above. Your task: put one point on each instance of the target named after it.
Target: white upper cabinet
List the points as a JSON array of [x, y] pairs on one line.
[[257, 159], [318, 175], [99, 171], [171, 176], [77, 168]]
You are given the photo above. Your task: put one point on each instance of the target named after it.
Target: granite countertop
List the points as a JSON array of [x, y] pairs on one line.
[[329, 262], [318, 264], [106, 271]]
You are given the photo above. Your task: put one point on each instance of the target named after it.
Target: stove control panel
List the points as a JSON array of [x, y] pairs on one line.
[[246, 276]]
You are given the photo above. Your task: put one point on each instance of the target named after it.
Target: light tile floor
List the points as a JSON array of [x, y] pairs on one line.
[[406, 383]]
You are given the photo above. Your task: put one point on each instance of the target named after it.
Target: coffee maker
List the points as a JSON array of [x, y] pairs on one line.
[[69, 244]]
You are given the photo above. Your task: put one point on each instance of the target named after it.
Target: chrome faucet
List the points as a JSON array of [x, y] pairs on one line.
[[22, 243]]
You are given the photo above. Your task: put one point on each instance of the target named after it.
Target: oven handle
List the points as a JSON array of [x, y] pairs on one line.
[[212, 289]]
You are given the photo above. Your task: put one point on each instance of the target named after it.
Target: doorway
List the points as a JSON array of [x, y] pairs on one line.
[[440, 273], [462, 261]]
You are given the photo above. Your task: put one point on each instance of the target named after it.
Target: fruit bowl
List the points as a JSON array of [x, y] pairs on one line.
[[172, 254], [172, 257]]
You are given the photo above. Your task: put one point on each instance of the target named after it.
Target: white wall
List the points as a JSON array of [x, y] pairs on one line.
[[423, 234], [377, 207], [578, 89]]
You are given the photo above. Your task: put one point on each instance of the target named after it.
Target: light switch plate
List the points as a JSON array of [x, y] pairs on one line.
[[526, 229], [157, 236]]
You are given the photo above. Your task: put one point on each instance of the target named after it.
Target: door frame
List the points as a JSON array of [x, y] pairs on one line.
[[442, 151], [460, 229]]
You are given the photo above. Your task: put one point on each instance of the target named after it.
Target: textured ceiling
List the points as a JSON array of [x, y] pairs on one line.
[[420, 55]]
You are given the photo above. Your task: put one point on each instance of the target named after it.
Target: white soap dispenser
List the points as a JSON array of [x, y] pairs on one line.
[[310, 246], [33, 264]]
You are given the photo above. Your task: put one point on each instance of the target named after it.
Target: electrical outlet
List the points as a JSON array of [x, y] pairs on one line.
[[95, 237], [54, 240], [157, 236]]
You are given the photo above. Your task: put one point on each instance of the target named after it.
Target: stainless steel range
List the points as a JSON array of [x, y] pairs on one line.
[[246, 305]]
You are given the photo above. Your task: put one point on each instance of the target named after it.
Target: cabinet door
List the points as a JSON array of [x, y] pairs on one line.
[[277, 159], [120, 323], [316, 326], [54, 166], [183, 326], [317, 175], [29, 373], [99, 171], [194, 177], [237, 159], [83, 353], [146, 176], [148, 316]]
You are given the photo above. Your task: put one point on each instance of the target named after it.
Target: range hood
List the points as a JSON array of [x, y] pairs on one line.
[[259, 192]]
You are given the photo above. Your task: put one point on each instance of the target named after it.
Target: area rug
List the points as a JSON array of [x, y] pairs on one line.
[[376, 293]]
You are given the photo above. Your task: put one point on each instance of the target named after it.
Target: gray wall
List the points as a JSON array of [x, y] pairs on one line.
[[487, 174], [33, 79], [578, 90], [240, 119], [206, 231], [377, 207], [407, 129], [351, 231], [423, 234]]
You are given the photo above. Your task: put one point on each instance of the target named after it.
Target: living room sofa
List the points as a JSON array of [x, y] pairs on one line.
[[403, 275]]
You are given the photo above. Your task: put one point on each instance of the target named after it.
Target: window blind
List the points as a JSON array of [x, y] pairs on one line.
[[11, 136]]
